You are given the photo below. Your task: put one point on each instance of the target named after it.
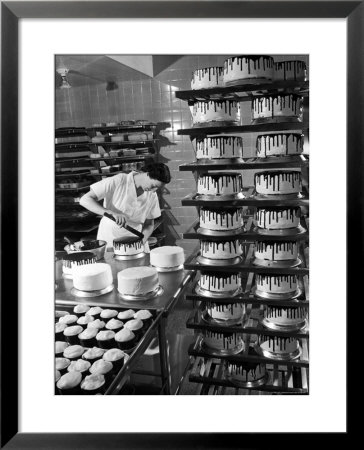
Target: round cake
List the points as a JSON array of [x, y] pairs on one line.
[[137, 280], [220, 282], [276, 284], [220, 250], [207, 78], [93, 277], [278, 218], [220, 219], [78, 259], [290, 71], [216, 111], [219, 147], [128, 245], [222, 342], [276, 251], [246, 371], [220, 184], [281, 144], [285, 316], [248, 68], [277, 108], [167, 256], [278, 345], [225, 312], [282, 182]]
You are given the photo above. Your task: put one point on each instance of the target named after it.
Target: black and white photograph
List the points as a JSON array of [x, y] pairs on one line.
[[181, 224]]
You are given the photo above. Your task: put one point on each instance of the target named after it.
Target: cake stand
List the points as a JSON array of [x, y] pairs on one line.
[[272, 296], [218, 262], [216, 123], [281, 232], [208, 161], [244, 81], [279, 119], [222, 352], [248, 384], [214, 294], [284, 264], [278, 356], [224, 323], [269, 323], [129, 257], [295, 196], [167, 269], [97, 293], [225, 233], [147, 296], [213, 198]]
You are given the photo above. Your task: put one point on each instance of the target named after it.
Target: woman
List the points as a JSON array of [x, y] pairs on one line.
[[130, 198]]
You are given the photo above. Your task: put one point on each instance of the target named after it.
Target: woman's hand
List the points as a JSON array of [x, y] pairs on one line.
[[119, 218]]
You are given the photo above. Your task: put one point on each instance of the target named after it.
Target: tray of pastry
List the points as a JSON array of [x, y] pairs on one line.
[[97, 347]]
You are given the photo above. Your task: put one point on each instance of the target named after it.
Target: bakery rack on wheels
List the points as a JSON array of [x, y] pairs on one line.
[[81, 162], [207, 371]]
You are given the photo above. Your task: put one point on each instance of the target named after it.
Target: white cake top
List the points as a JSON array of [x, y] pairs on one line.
[[136, 273], [91, 269], [167, 256]]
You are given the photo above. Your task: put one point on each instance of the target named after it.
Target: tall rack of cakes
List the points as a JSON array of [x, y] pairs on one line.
[[251, 288]]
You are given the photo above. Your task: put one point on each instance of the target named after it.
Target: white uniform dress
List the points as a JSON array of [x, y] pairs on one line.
[[119, 195]]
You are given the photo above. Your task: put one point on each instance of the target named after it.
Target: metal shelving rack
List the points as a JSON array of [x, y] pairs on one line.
[[209, 372]]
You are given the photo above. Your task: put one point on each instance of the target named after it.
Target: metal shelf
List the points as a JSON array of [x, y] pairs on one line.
[[246, 163], [266, 127], [124, 143], [244, 92], [107, 158], [134, 127]]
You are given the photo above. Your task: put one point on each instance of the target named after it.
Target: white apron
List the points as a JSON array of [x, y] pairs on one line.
[[119, 195]]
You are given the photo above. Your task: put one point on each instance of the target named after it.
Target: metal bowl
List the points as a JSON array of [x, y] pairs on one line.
[[83, 246]]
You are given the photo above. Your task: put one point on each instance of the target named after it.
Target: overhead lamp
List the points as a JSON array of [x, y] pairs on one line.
[[63, 73], [111, 86]]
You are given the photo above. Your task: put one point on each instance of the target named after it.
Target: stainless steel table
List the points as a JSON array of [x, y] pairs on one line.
[[173, 284]]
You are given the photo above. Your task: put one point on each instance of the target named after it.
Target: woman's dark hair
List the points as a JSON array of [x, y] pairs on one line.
[[158, 171]]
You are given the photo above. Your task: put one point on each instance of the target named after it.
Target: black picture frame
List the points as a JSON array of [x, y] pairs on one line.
[[11, 13]]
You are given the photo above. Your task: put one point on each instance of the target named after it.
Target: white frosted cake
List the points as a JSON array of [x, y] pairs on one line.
[[77, 259], [220, 250], [276, 251], [290, 71], [278, 218], [246, 371], [285, 316], [248, 68], [220, 184], [128, 245], [278, 182], [219, 147], [277, 108], [220, 219], [276, 284], [223, 312], [92, 277], [137, 280], [219, 282], [216, 111], [225, 342], [282, 144], [207, 78], [278, 344], [167, 256]]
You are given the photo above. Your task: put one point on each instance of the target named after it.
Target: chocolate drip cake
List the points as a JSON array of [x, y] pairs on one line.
[[277, 108], [207, 78], [284, 182], [128, 245], [284, 317], [276, 284], [248, 68], [222, 183], [278, 218], [282, 144], [219, 219], [276, 251], [279, 346], [220, 250], [216, 111], [76, 260], [219, 282], [219, 147], [222, 342], [290, 71], [246, 373]]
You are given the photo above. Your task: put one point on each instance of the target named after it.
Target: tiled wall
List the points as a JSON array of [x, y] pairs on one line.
[[154, 99]]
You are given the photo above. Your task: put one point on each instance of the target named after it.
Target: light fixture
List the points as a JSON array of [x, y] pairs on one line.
[[111, 86], [63, 73]]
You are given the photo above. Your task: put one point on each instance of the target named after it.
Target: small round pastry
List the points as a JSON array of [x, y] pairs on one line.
[[69, 319], [145, 316], [108, 314], [80, 365], [88, 337], [93, 354], [73, 352], [71, 334], [80, 310], [60, 314], [125, 339], [125, 315], [136, 326], [62, 364], [85, 320], [60, 347], [114, 325], [97, 323], [94, 312], [59, 329], [69, 384], [57, 375], [105, 339], [93, 384], [102, 367], [116, 357]]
